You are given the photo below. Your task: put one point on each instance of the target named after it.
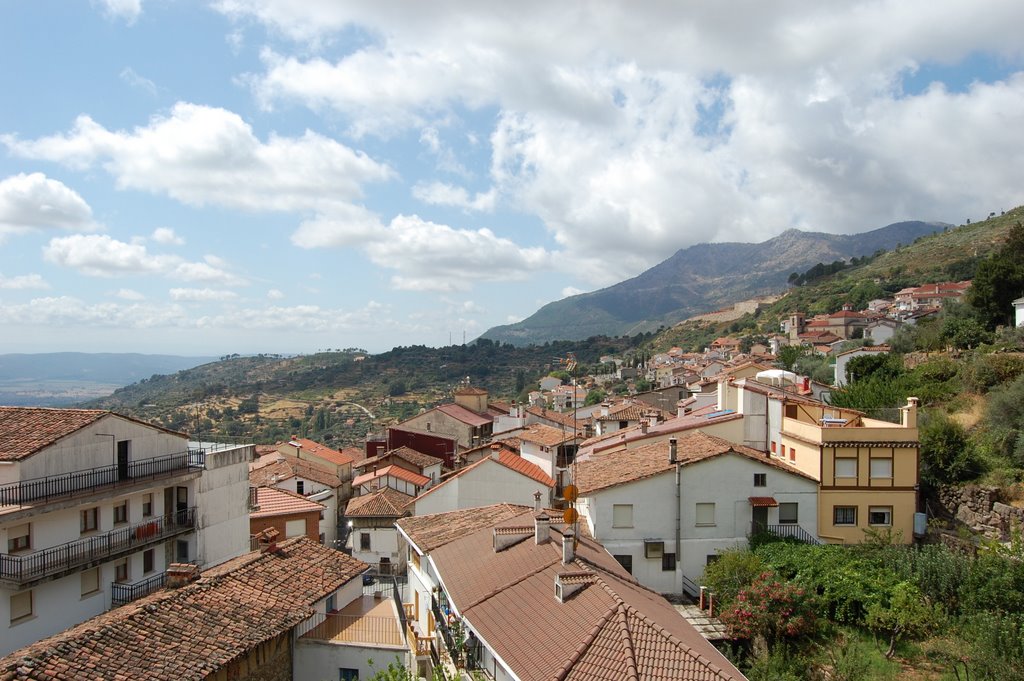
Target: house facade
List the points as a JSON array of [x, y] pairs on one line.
[[666, 509], [93, 508], [372, 537]]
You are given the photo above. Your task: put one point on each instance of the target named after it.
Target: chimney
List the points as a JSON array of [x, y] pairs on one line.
[[643, 427], [267, 540], [496, 452], [180, 574], [542, 528], [673, 450], [536, 502], [568, 546], [909, 413]]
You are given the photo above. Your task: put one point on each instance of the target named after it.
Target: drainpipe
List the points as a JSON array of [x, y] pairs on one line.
[[674, 459]]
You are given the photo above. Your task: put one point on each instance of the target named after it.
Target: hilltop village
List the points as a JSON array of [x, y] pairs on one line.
[[574, 535]]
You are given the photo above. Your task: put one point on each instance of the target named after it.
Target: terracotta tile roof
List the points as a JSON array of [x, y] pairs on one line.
[[558, 417], [601, 471], [505, 458], [273, 501], [763, 501], [545, 435], [193, 631], [429, 532], [384, 503], [26, 430], [609, 628], [631, 411], [275, 467], [460, 413], [394, 471], [324, 452], [407, 454], [469, 390]]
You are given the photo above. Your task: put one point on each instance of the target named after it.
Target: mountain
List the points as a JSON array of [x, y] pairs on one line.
[[698, 279], [60, 378]]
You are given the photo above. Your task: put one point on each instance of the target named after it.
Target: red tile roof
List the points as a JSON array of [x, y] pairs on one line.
[[322, 451], [196, 630], [273, 501], [610, 628], [395, 472], [27, 430], [763, 501], [566, 419], [505, 458], [384, 503], [545, 435], [460, 413], [428, 533], [418, 459], [276, 467], [601, 471], [469, 390]]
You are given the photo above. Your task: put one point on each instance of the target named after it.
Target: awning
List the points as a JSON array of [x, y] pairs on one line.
[[763, 501]]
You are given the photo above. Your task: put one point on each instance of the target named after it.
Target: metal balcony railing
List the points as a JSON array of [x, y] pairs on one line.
[[19, 569], [120, 594], [54, 486], [788, 530]]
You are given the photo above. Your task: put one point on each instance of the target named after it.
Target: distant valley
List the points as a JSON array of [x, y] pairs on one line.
[[63, 378]]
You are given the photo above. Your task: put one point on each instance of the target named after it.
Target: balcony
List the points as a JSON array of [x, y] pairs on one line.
[[22, 569], [785, 531], [120, 594], [53, 487]]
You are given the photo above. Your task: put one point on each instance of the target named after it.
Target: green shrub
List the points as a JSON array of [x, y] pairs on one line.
[[733, 571]]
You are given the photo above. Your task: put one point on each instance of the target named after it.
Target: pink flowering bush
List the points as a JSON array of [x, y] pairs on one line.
[[772, 610]]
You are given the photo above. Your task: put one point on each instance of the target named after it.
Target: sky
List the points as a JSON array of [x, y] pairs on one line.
[[245, 176]]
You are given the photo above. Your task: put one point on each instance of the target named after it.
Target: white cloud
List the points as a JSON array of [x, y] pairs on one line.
[[23, 282], [201, 295], [203, 155], [638, 131], [34, 201], [167, 237], [126, 10], [129, 294], [345, 226], [571, 291], [71, 312], [129, 76], [99, 255], [441, 194], [274, 294]]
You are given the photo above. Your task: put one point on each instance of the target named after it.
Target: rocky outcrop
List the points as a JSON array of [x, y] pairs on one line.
[[980, 509]]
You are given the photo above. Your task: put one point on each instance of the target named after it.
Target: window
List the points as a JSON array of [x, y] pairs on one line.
[[331, 603], [881, 468], [760, 479], [773, 446], [623, 424], [364, 541], [147, 505], [19, 538], [88, 520], [626, 561], [181, 551], [880, 515], [705, 514], [668, 562], [654, 549], [121, 571], [21, 606], [712, 557], [846, 468], [792, 454], [90, 581], [347, 674], [622, 515], [148, 560], [788, 513], [294, 528], [121, 512], [844, 515], [300, 486]]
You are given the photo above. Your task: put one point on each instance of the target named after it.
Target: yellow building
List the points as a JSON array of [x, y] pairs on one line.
[[868, 468]]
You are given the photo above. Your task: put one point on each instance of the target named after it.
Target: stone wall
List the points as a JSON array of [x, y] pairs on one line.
[[980, 509]]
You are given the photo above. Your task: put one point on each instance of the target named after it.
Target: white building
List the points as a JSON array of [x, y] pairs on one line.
[[372, 537], [94, 506], [516, 595], [1018, 308], [501, 477], [665, 509], [315, 481], [551, 449]]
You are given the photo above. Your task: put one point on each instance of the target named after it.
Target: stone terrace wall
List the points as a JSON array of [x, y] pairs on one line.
[[981, 510]]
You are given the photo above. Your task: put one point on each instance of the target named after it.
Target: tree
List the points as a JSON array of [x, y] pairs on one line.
[[908, 613], [947, 453], [999, 281], [595, 396], [770, 610], [789, 354]]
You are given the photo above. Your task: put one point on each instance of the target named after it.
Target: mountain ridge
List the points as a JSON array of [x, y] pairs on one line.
[[698, 279]]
